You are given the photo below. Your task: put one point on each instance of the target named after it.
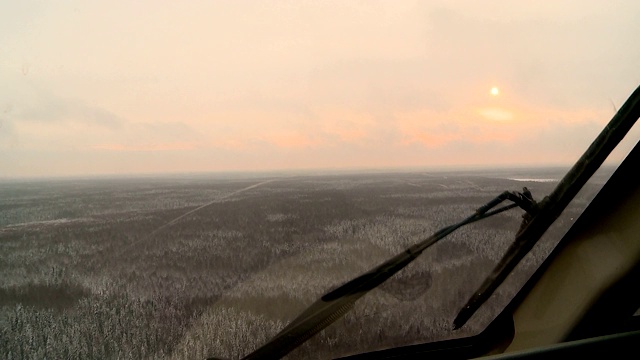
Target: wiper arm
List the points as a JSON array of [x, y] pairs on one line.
[[338, 302], [551, 207]]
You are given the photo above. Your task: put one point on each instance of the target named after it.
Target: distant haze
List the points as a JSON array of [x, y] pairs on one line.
[[106, 87]]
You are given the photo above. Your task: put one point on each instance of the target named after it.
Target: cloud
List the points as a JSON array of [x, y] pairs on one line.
[[151, 136], [174, 146], [167, 130], [495, 114], [292, 140], [38, 119], [45, 107], [345, 126], [378, 86], [8, 136]]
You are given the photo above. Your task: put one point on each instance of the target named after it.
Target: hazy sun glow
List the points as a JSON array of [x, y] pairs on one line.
[[496, 114], [495, 91]]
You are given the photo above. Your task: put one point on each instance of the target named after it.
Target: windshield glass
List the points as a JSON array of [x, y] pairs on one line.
[[182, 180]]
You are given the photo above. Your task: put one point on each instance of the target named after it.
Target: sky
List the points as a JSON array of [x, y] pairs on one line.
[[144, 87]]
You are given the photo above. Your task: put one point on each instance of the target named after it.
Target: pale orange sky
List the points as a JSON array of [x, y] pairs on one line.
[[119, 87]]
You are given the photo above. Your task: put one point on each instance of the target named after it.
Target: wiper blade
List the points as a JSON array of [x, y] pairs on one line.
[[338, 302], [552, 206]]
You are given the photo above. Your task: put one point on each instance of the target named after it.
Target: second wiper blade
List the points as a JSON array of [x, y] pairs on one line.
[[338, 302]]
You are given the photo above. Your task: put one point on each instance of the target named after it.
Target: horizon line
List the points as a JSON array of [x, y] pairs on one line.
[[286, 172]]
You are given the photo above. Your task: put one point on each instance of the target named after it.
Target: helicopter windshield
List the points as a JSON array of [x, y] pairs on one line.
[[184, 180]]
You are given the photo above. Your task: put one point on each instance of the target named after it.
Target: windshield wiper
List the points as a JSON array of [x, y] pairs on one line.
[[336, 303]]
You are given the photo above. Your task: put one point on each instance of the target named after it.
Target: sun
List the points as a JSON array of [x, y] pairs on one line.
[[494, 91]]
